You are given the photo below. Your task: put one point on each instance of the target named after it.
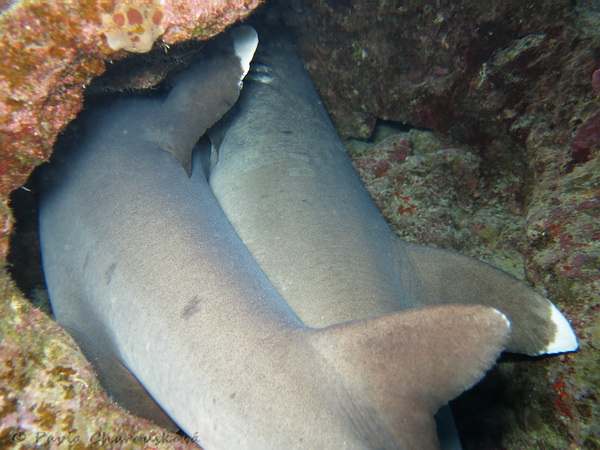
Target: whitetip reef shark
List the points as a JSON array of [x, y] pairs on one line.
[[294, 198], [145, 269], [298, 204]]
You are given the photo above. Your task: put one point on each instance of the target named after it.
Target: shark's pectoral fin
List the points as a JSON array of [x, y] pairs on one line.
[[201, 96], [447, 277], [399, 369], [122, 386]]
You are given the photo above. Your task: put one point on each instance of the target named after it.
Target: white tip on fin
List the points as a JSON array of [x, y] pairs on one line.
[[504, 316], [564, 338], [245, 41]]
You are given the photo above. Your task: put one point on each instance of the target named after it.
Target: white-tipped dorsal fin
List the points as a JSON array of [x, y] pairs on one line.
[[203, 93], [448, 277], [564, 339], [245, 41]]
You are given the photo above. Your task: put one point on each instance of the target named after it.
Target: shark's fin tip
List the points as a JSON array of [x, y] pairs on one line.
[[564, 339], [245, 41]]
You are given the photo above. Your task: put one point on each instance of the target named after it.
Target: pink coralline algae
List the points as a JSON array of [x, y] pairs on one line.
[[585, 141], [596, 81], [135, 25]]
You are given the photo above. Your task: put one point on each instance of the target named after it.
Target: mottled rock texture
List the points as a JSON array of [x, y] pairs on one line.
[[511, 174]]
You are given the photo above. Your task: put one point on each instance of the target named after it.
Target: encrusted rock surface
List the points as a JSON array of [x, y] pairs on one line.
[[436, 192]]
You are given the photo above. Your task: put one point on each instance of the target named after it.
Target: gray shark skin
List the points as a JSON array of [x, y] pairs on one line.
[[146, 271], [283, 178]]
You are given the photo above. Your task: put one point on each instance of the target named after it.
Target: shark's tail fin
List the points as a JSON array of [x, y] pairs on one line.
[[397, 370], [447, 277]]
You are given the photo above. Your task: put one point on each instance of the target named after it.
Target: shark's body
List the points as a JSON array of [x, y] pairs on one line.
[[146, 271], [283, 178]]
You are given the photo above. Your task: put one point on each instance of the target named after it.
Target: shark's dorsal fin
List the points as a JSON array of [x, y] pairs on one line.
[[448, 277], [399, 369], [201, 96]]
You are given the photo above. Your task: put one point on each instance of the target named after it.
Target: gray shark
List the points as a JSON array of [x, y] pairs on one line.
[[282, 177], [147, 272]]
